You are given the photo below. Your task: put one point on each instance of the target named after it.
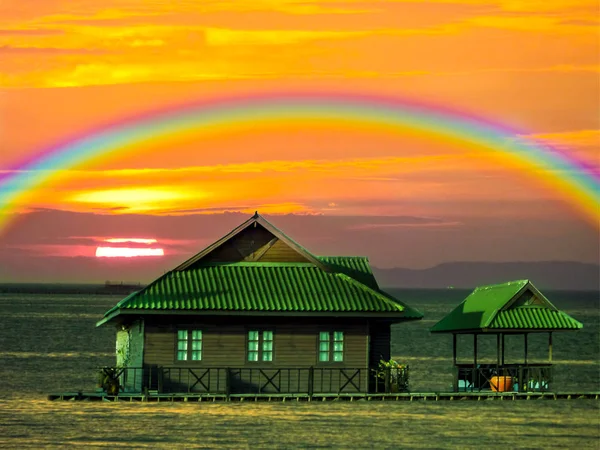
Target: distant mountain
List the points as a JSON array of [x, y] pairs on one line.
[[544, 274]]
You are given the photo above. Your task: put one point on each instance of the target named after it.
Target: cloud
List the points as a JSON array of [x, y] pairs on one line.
[[30, 32], [530, 23], [135, 199], [222, 36], [148, 43], [10, 50], [582, 138], [55, 250], [583, 144], [417, 222]]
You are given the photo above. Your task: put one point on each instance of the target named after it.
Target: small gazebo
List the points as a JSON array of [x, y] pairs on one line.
[[513, 308]]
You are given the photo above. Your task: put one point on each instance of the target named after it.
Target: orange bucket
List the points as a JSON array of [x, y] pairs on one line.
[[501, 384]]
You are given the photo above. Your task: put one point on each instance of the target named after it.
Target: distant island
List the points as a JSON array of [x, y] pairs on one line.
[[108, 288], [557, 275], [548, 275]]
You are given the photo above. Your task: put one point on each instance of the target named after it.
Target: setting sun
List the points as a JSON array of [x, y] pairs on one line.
[[127, 252]]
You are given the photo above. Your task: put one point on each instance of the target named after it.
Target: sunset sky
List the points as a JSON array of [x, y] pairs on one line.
[[400, 198]]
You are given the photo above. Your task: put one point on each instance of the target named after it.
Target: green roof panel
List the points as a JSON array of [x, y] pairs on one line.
[[268, 287], [356, 267], [534, 318], [491, 308]]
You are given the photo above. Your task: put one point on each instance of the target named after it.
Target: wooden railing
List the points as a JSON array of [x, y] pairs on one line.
[[260, 380], [511, 377]]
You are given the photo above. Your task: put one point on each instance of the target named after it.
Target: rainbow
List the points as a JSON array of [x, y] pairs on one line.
[[575, 180]]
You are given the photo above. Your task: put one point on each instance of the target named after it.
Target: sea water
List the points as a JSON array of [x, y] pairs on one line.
[[49, 343]]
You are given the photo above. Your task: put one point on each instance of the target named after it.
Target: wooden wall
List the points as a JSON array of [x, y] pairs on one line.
[[295, 346]]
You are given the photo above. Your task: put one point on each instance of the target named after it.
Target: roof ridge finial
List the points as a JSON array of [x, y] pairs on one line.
[[255, 215]]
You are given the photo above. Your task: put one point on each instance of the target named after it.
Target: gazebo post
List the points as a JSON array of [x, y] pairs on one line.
[[475, 375], [525, 347], [550, 346], [454, 348], [497, 352], [455, 369], [502, 335]]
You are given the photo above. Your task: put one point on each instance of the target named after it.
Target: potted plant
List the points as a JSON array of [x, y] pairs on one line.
[[108, 380], [392, 375]]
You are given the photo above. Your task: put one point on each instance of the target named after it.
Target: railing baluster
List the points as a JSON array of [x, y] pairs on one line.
[[227, 383]]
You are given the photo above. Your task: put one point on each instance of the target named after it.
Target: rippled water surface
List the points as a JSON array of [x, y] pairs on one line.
[[48, 343]]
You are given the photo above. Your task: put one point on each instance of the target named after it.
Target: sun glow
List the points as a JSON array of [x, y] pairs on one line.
[[134, 240], [134, 199], [127, 252]]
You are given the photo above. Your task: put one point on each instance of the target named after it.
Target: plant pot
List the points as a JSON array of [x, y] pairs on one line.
[[501, 384], [112, 388]]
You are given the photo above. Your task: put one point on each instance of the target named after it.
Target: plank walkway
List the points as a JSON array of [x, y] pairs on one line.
[[412, 396]]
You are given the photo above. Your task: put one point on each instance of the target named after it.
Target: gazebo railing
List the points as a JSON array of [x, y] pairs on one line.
[[509, 377], [260, 380]]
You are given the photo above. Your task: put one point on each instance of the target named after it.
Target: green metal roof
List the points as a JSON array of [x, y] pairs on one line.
[[356, 267], [493, 308], [265, 287]]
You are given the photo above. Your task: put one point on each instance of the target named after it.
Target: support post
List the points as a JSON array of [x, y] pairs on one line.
[[497, 351], [311, 380], [455, 384], [550, 346], [227, 382], [388, 382], [502, 336], [454, 368], [523, 383], [454, 348], [525, 342], [474, 371]]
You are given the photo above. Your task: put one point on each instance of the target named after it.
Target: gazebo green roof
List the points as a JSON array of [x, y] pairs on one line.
[[324, 286], [516, 306]]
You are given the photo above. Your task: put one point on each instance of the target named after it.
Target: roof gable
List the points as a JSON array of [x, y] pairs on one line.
[[516, 305], [256, 240]]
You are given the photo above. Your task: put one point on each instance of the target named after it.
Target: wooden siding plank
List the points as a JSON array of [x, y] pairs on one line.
[[281, 252], [224, 343]]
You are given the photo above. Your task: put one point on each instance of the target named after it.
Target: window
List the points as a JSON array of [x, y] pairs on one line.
[[331, 346], [260, 345], [189, 345]]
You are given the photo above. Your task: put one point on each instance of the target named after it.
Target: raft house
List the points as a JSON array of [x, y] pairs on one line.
[[256, 316]]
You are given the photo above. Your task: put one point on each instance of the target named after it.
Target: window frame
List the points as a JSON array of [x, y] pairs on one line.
[[331, 351], [189, 345], [261, 350]]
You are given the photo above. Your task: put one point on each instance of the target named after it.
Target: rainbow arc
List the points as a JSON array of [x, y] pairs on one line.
[[575, 180]]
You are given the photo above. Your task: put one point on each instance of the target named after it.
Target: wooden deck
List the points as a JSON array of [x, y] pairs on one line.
[[412, 396]]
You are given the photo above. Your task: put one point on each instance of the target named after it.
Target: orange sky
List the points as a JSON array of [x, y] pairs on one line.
[[66, 66]]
